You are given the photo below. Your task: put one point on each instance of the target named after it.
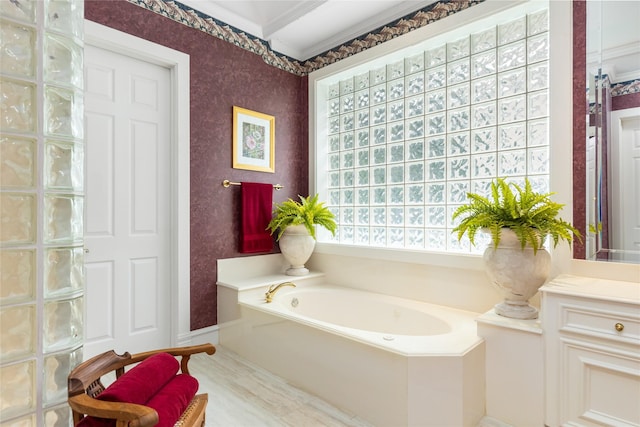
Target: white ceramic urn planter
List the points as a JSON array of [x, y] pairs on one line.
[[518, 272], [296, 245]]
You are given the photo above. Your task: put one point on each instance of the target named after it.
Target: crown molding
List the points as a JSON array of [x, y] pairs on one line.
[[214, 27]]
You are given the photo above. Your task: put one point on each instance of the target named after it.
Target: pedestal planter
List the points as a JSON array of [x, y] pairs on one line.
[[296, 245], [515, 215], [518, 273]]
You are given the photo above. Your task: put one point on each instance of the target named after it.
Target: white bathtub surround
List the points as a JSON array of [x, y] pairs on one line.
[[518, 272], [458, 281], [387, 377], [514, 371], [296, 245], [382, 387]]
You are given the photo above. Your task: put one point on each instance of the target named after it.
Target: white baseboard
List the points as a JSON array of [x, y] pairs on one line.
[[200, 336]]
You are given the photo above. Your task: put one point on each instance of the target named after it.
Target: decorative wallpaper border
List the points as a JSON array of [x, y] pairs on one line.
[[621, 88], [625, 88], [200, 21]]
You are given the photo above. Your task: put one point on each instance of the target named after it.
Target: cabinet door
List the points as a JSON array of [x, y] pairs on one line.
[[601, 386]]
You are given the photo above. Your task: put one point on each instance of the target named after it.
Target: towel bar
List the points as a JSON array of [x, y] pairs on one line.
[[226, 183]]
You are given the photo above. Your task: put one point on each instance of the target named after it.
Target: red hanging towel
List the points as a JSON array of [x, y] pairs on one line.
[[256, 213]]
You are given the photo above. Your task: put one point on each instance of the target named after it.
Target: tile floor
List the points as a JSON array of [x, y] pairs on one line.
[[242, 394]]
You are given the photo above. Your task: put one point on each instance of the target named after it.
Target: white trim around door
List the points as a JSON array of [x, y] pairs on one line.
[[178, 63]]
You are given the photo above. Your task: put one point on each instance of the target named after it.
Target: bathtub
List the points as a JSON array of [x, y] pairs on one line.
[[399, 325], [388, 360]]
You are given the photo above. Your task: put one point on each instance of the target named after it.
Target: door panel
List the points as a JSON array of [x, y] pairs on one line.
[[100, 275], [100, 213], [143, 293]]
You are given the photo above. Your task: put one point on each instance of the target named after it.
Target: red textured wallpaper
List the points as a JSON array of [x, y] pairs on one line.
[[622, 102], [222, 75], [580, 108]]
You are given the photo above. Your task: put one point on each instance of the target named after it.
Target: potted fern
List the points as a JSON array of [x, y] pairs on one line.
[[295, 224], [518, 220]]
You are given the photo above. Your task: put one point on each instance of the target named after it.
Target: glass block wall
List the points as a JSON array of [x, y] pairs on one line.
[[41, 202], [406, 141]]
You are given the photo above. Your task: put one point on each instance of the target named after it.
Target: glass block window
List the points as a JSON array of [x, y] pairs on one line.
[[405, 142]]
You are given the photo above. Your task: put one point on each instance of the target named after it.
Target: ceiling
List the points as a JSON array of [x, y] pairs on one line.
[[302, 29]]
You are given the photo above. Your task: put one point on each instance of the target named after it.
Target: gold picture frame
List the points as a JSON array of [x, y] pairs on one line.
[[253, 140]]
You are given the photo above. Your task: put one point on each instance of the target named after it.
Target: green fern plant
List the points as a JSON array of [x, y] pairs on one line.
[[307, 212], [532, 216]]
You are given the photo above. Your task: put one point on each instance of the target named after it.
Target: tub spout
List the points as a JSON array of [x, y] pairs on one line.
[[274, 288]]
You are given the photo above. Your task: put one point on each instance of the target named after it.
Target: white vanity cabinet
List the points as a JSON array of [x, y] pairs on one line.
[[591, 332]]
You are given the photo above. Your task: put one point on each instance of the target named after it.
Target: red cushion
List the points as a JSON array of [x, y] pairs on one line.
[[171, 401], [96, 422], [137, 385], [142, 381]]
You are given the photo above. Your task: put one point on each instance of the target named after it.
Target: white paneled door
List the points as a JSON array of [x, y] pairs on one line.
[[127, 223]]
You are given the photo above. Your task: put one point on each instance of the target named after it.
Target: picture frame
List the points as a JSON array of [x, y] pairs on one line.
[[253, 140]]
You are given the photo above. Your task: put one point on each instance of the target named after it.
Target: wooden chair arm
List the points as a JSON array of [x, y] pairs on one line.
[[93, 369], [136, 415], [184, 352]]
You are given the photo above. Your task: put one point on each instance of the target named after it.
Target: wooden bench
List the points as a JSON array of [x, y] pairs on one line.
[[85, 384]]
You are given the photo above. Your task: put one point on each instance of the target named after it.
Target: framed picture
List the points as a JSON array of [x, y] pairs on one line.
[[253, 140]]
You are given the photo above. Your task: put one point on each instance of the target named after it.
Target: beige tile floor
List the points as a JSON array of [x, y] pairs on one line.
[[242, 394]]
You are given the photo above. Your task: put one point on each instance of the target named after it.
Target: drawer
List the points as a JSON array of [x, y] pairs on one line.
[[597, 321]]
